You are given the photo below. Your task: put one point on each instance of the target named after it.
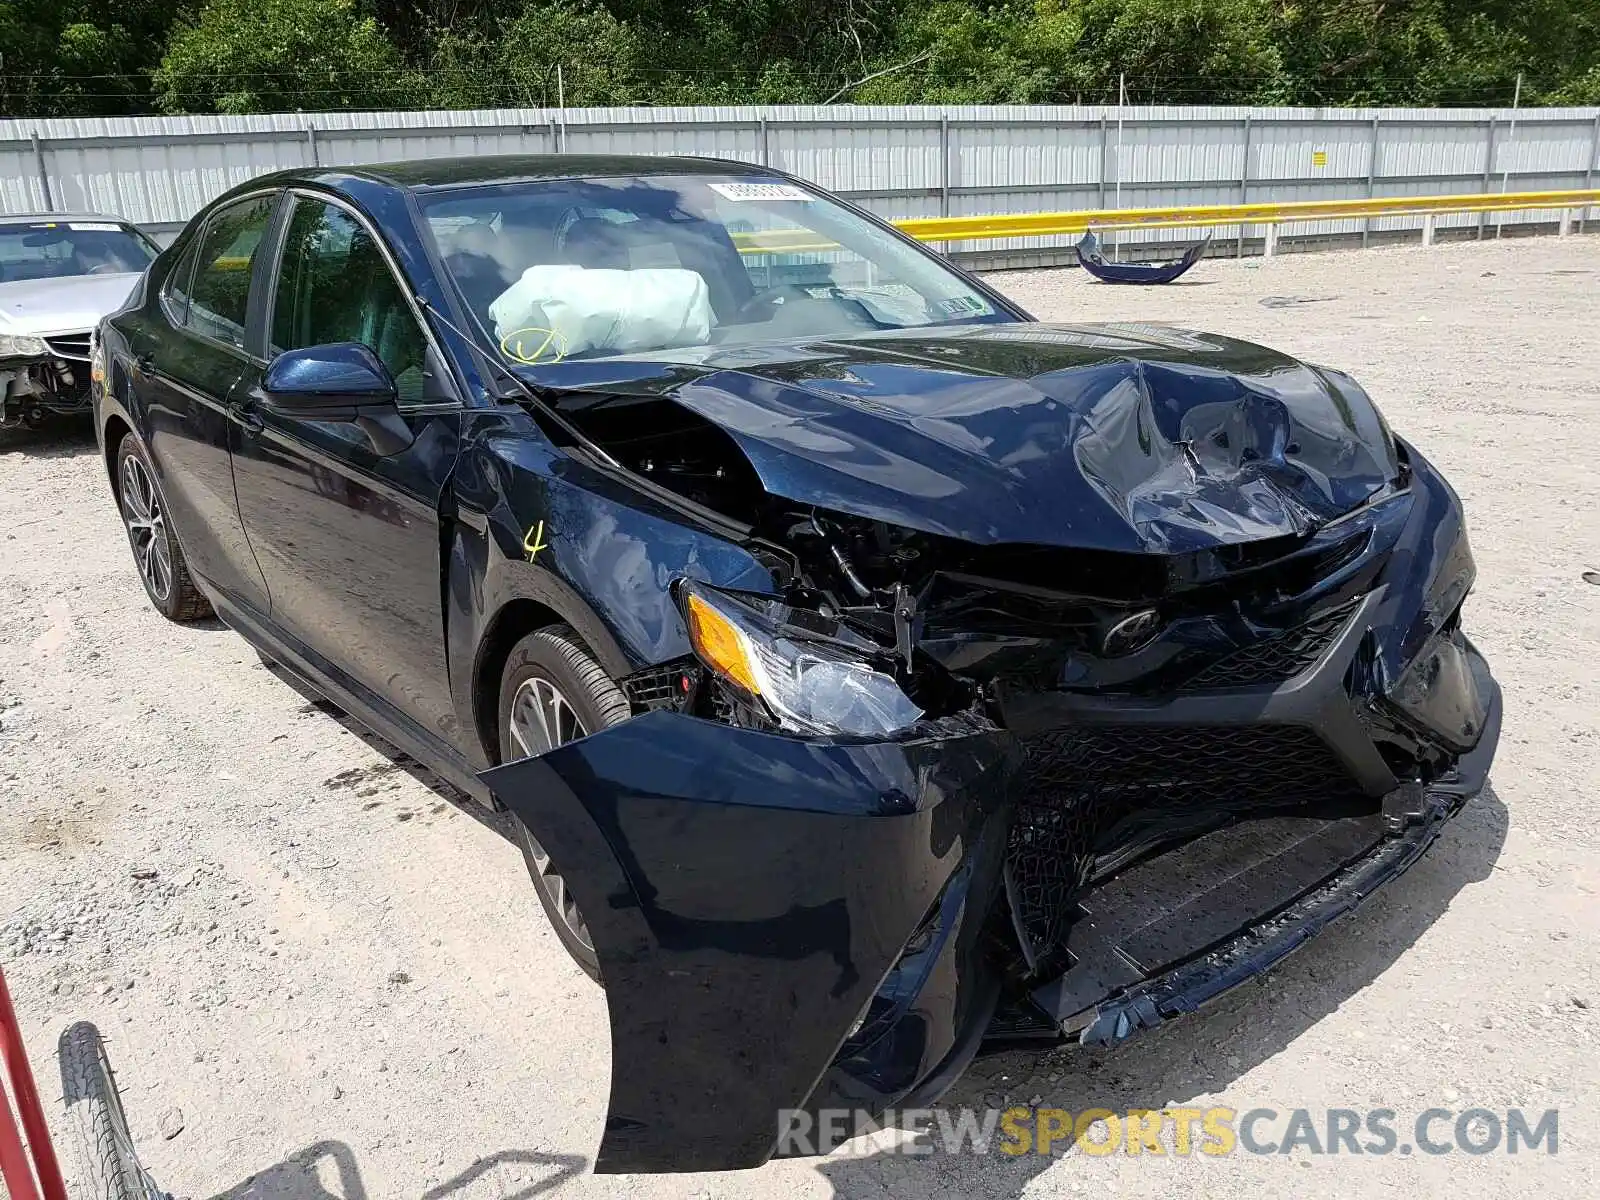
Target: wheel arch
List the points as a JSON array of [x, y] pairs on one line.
[[519, 616], [116, 428]]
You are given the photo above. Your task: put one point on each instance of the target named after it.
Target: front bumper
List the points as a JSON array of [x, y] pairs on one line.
[[56, 382], [749, 896], [1414, 817], [790, 923]]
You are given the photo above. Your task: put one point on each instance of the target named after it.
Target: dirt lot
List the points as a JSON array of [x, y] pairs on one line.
[[337, 983]]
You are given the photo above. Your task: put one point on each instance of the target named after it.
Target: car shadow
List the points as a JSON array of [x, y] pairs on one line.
[[59, 437], [1171, 283], [500, 822], [1205, 1053], [327, 1170]]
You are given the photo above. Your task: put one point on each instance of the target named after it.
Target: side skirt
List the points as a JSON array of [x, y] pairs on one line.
[[359, 702]]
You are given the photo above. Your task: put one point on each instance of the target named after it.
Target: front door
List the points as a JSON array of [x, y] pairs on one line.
[[190, 359], [343, 519]]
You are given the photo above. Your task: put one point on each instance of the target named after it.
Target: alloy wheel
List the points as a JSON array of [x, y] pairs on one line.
[[147, 528], [542, 719]]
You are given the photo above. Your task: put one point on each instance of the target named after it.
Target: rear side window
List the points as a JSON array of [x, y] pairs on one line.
[[176, 293], [220, 294]]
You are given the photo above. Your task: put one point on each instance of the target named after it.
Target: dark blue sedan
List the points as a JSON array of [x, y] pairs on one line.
[[870, 669]]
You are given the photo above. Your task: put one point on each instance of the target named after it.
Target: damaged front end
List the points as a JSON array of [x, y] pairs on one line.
[[41, 377], [1067, 735]]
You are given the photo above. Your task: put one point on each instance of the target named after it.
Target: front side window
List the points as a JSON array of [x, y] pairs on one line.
[[639, 265], [219, 298], [334, 285], [59, 249]]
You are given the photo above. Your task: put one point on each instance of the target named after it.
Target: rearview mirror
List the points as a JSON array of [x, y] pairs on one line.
[[329, 381]]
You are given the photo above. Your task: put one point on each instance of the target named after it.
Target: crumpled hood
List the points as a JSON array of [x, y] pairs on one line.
[[1138, 438], [73, 304], [1114, 437]]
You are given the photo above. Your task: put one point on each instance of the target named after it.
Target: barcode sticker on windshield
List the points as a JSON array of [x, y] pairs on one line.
[[760, 191], [94, 227]]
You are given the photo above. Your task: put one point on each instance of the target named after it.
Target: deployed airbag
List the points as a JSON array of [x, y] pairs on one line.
[[601, 309]]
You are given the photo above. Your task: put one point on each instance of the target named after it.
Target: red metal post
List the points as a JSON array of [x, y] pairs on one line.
[[15, 1172], [15, 1059]]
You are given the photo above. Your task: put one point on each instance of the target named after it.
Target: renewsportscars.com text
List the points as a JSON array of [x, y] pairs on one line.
[[1178, 1132]]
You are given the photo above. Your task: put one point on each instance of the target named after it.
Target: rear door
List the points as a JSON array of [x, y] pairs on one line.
[[343, 517], [188, 363]]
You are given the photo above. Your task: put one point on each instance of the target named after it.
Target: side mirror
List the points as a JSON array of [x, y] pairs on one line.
[[328, 383]]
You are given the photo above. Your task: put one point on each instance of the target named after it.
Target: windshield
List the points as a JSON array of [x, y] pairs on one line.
[[602, 268], [57, 249]]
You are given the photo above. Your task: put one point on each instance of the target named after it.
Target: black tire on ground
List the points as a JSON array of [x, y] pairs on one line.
[[156, 553], [108, 1168], [554, 657]]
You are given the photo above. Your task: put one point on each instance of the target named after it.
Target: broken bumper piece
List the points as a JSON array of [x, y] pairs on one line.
[[781, 923], [1380, 853], [795, 924]]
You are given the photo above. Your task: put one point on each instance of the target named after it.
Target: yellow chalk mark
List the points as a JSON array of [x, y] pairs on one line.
[[534, 542], [547, 345]]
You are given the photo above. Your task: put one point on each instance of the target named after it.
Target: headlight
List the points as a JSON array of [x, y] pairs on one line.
[[813, 676], [1452, 580], [97, 358], [1439, 692], [21, 346]]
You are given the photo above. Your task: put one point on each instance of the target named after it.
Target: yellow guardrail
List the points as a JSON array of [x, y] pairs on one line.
[[1005, 225], [1269, 213]]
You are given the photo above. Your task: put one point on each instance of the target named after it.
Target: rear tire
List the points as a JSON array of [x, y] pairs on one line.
[[156, 553], [552, 692], [108, 1168]]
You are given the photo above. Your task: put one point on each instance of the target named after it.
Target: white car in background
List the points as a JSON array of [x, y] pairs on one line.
[[59, 274]]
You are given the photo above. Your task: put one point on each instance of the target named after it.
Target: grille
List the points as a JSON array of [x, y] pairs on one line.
[[655, 688], [1087, 789], [72, 345], [1276, 659]]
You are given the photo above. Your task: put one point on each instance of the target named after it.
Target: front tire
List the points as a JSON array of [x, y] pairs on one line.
[[108, 1168], [553, 692], [156, 553]]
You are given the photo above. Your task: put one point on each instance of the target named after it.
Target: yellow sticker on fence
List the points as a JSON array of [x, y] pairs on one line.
[[1319, 158]]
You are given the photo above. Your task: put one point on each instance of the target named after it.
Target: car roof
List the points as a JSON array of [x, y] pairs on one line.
[[355, 183], [512, 168], [43, 217]]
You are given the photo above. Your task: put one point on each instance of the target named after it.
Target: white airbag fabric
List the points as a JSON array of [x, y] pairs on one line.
[[600, 309]]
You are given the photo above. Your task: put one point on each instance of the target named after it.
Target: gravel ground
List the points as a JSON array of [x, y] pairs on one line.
[[319, 977]]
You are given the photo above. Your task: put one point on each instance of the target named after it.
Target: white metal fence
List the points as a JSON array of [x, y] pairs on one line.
[[897, 161]]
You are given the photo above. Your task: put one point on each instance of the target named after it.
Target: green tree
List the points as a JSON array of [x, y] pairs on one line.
[[241, 56], [1585, 89], [64, 57], [1067, 51], [601, 60], [81, 57]]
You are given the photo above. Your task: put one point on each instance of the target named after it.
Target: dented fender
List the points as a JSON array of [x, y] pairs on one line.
[[533, 524]]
